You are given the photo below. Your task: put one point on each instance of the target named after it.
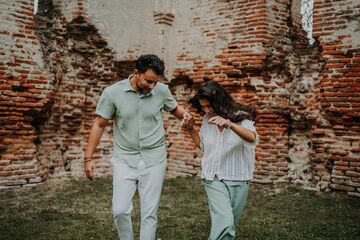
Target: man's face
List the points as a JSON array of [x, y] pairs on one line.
[[146, 81]]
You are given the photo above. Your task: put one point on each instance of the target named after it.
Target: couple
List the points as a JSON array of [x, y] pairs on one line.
[[227, 137]]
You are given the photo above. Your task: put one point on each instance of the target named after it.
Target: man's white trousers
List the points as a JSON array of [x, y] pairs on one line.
[[149, 182]]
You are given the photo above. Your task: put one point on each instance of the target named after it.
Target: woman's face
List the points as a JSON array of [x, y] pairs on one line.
[[205, 105]]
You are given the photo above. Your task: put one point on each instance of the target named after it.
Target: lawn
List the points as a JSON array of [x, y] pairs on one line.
[[81, 209]]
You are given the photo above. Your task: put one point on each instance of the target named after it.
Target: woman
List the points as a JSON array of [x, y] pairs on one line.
[[227, 138]]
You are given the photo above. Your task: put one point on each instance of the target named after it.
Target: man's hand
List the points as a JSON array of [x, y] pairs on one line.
[[94, 138], [89, 167]]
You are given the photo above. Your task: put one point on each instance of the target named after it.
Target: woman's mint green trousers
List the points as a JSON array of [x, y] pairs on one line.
[[227, 200]]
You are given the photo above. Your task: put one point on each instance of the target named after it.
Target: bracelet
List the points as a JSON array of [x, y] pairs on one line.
[[231, 125], [88, 159]]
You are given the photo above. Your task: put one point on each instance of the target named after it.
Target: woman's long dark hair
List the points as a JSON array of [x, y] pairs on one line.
[[222, 103]]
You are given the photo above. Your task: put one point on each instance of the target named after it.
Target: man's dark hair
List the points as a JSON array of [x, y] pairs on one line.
[[150, 61]]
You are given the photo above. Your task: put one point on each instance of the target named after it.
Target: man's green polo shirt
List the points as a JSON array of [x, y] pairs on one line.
[[138, 122]]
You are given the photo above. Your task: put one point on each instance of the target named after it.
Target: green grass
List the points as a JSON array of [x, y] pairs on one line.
[[82, 210]]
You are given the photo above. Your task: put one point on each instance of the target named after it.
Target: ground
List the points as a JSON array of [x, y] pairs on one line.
[[81, 209]]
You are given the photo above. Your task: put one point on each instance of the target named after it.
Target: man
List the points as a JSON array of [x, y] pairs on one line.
[[139, 159]]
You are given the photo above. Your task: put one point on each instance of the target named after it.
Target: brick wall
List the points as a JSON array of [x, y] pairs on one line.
[[82, 65], [306, 96], [24, 91], [52, 72], [336, 150], [54, 67]]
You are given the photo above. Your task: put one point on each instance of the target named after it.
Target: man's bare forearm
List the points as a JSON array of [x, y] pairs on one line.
[[95, 135], [179, 112]]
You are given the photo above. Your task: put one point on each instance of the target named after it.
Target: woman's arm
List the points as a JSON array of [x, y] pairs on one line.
[[195, 137], [188, 124], [239, 130], [243, 132]]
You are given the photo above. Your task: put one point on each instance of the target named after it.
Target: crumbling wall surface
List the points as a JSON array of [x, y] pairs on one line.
[[128, 25], [54, 67], [82, 65], [306, 96], [130, 28], [215, 40], [25, 92], [336, 24], [231, 42]]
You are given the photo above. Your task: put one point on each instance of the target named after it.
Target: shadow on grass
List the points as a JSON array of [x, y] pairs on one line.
[[82, 210]]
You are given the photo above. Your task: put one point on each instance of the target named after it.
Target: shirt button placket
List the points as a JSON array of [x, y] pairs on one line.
[[139, 124], [216, 157]]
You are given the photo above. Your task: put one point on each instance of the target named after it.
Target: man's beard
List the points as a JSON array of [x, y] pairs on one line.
[[144, 90]]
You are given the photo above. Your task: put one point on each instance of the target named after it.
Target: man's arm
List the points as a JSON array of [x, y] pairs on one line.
[[180, 113], [94, 139], [188, 123]]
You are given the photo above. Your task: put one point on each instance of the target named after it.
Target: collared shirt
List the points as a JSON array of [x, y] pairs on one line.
[[226, 155], [138, 123]]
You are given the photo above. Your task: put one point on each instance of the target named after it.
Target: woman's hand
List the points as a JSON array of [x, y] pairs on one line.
[[220, 121], [188, 123]]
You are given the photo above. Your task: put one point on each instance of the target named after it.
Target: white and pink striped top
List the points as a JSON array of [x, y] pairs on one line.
[[226, 155]]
